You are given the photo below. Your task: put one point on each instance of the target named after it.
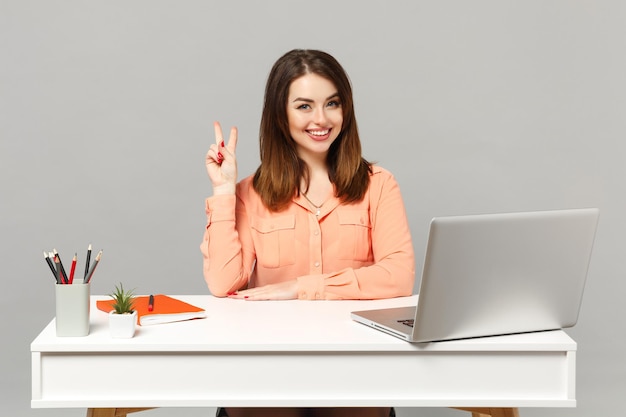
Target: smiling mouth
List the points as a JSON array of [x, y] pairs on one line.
[[319, 134]]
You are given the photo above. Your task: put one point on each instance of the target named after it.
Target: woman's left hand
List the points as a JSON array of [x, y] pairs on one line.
[[282, 291]]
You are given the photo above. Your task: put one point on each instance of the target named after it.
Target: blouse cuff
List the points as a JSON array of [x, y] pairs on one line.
[[220, 208], [311, 287]]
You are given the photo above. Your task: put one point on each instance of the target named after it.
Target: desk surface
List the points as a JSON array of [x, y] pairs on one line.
[[296, 353]]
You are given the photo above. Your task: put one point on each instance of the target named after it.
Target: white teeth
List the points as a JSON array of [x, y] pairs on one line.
[[319, 132]]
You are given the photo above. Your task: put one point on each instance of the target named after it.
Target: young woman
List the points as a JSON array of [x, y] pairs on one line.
[[316, 220]]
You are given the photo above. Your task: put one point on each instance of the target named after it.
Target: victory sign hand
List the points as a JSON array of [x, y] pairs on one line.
[[221, 164]]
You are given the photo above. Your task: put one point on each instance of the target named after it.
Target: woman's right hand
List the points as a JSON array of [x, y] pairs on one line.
[[221, 164]]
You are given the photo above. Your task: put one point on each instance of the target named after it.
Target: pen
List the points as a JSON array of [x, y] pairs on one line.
[[72, 269], [87, 261], [93, 267], [151, 303]]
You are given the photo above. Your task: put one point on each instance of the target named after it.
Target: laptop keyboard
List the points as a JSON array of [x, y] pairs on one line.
[[407, 322]]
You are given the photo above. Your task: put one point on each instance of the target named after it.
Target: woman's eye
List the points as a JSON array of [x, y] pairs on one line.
[[333, 103], [304, 107]]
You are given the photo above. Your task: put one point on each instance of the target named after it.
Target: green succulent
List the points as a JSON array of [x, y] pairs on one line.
[[124, 300]]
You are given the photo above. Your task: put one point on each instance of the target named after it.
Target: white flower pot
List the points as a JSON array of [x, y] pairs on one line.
[[122, 326]]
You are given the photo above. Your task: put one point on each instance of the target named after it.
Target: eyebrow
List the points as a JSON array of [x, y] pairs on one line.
[[308, 100]]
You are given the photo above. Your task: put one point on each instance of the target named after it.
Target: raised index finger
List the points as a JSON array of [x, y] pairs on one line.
[[219, 138]]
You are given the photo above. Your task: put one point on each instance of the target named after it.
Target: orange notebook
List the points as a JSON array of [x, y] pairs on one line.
[[165, 310]]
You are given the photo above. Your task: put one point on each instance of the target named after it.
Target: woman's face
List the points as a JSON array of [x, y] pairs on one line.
[[314, 114]]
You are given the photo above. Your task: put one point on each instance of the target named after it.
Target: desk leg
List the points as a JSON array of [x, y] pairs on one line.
[[491, 412], [113, 412]]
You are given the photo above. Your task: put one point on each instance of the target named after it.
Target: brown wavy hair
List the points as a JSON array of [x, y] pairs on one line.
[[278, 178]]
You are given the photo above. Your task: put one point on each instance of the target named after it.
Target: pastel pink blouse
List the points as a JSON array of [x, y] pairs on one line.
[[350, 251]]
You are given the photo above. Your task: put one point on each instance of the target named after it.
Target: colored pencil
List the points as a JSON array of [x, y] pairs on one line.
[[63, 274], [88, 259], [73, 268], [93, 267], [57, 261], [50, 264]]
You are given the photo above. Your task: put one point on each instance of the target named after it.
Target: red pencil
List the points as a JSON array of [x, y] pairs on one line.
[[73, 268]]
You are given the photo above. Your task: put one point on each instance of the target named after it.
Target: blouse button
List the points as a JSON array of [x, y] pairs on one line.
[[317, 232], [317, 264]]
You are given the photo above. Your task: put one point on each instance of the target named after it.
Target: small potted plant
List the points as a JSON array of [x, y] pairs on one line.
[[123, 318]]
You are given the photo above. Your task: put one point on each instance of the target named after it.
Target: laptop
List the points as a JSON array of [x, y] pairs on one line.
[[496, 274]]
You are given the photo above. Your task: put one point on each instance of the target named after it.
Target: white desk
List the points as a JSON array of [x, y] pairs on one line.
[[295, 353]]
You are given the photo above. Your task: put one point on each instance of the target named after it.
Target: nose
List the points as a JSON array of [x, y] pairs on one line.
[[319, 117]]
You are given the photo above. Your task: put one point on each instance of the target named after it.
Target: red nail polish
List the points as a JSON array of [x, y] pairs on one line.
[[220, 156], [222, 144], [245, 296]]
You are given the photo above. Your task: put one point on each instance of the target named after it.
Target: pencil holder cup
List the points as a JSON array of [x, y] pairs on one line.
[[72, 309]]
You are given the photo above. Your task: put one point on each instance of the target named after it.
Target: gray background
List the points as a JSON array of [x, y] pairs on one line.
[[476, 106]]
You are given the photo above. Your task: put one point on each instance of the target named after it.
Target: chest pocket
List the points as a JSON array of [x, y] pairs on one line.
[[274, 241], [354, 232]]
